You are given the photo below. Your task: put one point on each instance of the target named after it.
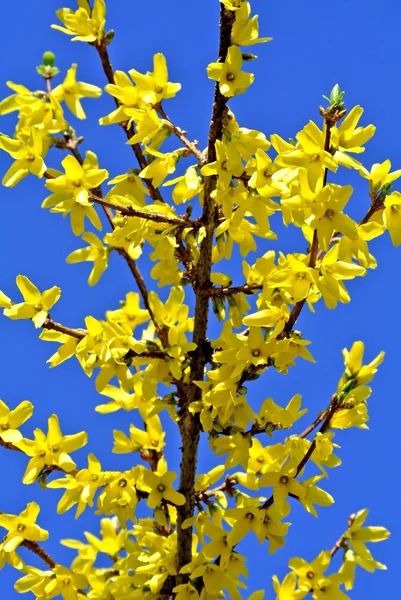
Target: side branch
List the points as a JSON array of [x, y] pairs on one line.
[[181, 134], [101, 48], [129, 211]]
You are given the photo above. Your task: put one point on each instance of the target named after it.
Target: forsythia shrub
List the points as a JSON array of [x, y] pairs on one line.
[[189, 545]]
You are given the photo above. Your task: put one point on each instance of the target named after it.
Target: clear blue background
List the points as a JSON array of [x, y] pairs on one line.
[[358, 45]]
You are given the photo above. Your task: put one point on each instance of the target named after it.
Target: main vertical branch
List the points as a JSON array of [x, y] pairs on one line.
[[189, 427]]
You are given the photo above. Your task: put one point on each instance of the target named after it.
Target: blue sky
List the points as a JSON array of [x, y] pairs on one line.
[[357, 45]]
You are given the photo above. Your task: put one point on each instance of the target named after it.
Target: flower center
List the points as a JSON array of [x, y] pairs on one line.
[[77, 183], [5, 426], [161, 487], [230, 76], [310, 575], [329, 213], [21, 527], [256, 352], [284, 479], [122, 483]]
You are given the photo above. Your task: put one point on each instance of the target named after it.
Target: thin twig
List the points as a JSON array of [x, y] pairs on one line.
[[101, 48], [180, 134], [129, 211]]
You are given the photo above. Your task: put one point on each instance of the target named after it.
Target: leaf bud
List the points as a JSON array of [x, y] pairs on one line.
[[48, 59]]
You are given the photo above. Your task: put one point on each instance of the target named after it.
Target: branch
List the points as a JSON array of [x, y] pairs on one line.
[[180, 134], [101, 48], [75, 333], [129, 211], [188, 424]]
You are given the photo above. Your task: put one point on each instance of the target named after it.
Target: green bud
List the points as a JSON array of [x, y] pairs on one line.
[[347, 388], [242, 390], [48, 59], [231, 301], [385, 190], [42, 480], [247, 56], [109, 37]]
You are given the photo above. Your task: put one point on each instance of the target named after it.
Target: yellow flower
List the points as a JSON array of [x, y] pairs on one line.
[[233, 4], [153, 87], [22, 527], [310, 574], [5, 301], [231, 79], [130, 314], [27, 154], [347, 137], [379, 175], [36, 306], [187, 186], [358, 535], [128, 96], [139, 440], [273, 316], [287, 590], [163, 165], [160, 486], [85, 24], [34, 581], [222, 167], [71, 191], [245, 31], [66, 584], [150, 129], [283, 484], [95, 252], [392, 216], [309, 153], [51, 449], [328, 217], [354, 368], [71, 91], [81, 487], [186, 591], [10, 420]]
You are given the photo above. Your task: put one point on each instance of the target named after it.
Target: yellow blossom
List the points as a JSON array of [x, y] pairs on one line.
[[96, 252], [153, 87], [85, 24], [231, 79], [71, 92], [51, 449], [36, 306], [11, 420], [160, 486], [71, 191], [22, 527], [28, 155], [245, 30]]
